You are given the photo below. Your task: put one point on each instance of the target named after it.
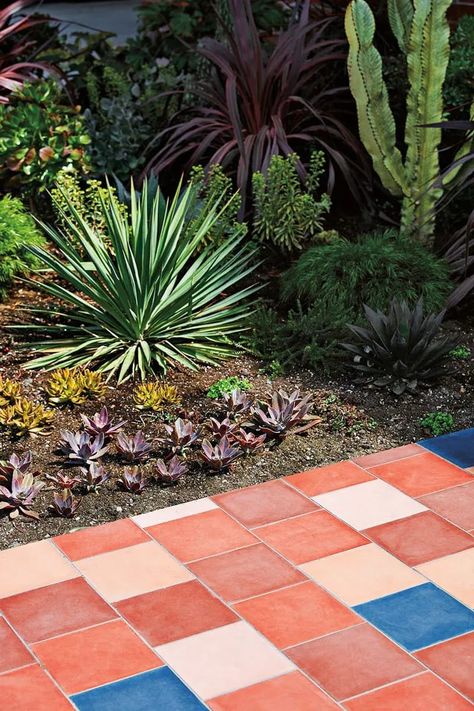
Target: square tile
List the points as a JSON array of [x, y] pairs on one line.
[[323, 479], [456, 447], [305, 538], [13, 653], [421, 474], [32, 566], [419, 616], [150, 691], [296, 614], [388, 455], [420, 538], [55, 609], [454, 573], [352, 661], [423, 692], [30, 689], [362, 574], [223, 660], [201, 535], [172, 513], [100, 539], [97, 655], [264, 503], [369, 504], [246, 572], [173, 613], [290, 691], [133, 571], [456, 504], [453, 661]]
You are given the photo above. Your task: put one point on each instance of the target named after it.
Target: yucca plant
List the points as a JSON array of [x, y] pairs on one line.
[[144, 298]]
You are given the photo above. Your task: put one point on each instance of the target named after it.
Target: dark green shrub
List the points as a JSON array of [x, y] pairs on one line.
[[17, 233], [438, 423], [459, 85]]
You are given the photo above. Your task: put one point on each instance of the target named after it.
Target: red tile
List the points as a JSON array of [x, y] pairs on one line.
[[245, 572], [388, 455], [290, 691], [421, 474], [100, 539], [13, 652], [55, 609], [355, 660], [173, 613], [453, 661], [264, 503], [324, 479], [296, 614], [420, 538], [456, 504], [95, 656], [423, 692], [312, 536], [30, 689], [201, 535]]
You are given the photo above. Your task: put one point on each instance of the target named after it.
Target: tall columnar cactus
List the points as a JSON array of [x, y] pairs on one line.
[[422, 32]]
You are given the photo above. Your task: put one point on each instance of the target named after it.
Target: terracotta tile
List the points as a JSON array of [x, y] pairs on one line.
[[55, 609], [454, 573], [296, 614], [423, 692], [13, 652], [264, 503], [362, 574], [30, 689], [32, 566], [133, 571], [95, 656], [455, 504], [369, 504], [311, 536], [223, 660], [453, 661], [323, 479], [421, 474], [245, 572], [290, 691], [172, 513], [201, 535], [172, 613], [388, 455], [420, 538], [100, 539], [352, 661]]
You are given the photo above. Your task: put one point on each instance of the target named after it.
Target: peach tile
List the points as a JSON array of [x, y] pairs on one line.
[[362, 574], [388, 455], [455, 504], [290, 691], [32, 566], [454, 573], [30, 689], [13, 653], [133, 571], [100, 539], [171, 513], [369, 504], [223, 660], [421, 474], [453, 661], [323, 479]]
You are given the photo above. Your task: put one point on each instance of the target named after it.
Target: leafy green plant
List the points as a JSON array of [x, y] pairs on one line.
[[17, 232], [460, 352], [227, 385], [438, 423], [459, 85], [147, 301], [285, 214]]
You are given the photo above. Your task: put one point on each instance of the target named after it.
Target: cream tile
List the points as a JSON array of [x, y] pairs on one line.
[[454, 573], [171, 513]]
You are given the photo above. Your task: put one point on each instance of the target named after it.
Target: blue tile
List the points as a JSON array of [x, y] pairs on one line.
[[419, 616], [153, 690], [456, 447]]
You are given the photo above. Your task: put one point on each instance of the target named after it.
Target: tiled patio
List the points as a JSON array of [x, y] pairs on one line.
[[345, 587]]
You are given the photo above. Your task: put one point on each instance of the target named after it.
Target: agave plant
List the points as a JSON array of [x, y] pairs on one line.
[[181, 435], [16, 463], [401, 349], [20, 497], [284, 412], [145, 299], [133, 449], [222, 429], [100, 423], [172, 471], [132, 480], [221, 456], [249, 441], [94, 476], [81, 448], [65, 503], [237, 403], [64, 480]]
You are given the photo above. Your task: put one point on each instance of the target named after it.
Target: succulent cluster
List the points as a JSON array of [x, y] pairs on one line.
[[100, 423], [10, 391], [181, 436], [283, 412], [133, 449], [19, 487], [73, 386], [155, 396], [25, 417]]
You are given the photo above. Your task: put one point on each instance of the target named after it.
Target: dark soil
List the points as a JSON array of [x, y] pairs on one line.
[[359, 421]]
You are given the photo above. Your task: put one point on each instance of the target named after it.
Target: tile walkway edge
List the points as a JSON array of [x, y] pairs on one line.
[[299, 593]]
